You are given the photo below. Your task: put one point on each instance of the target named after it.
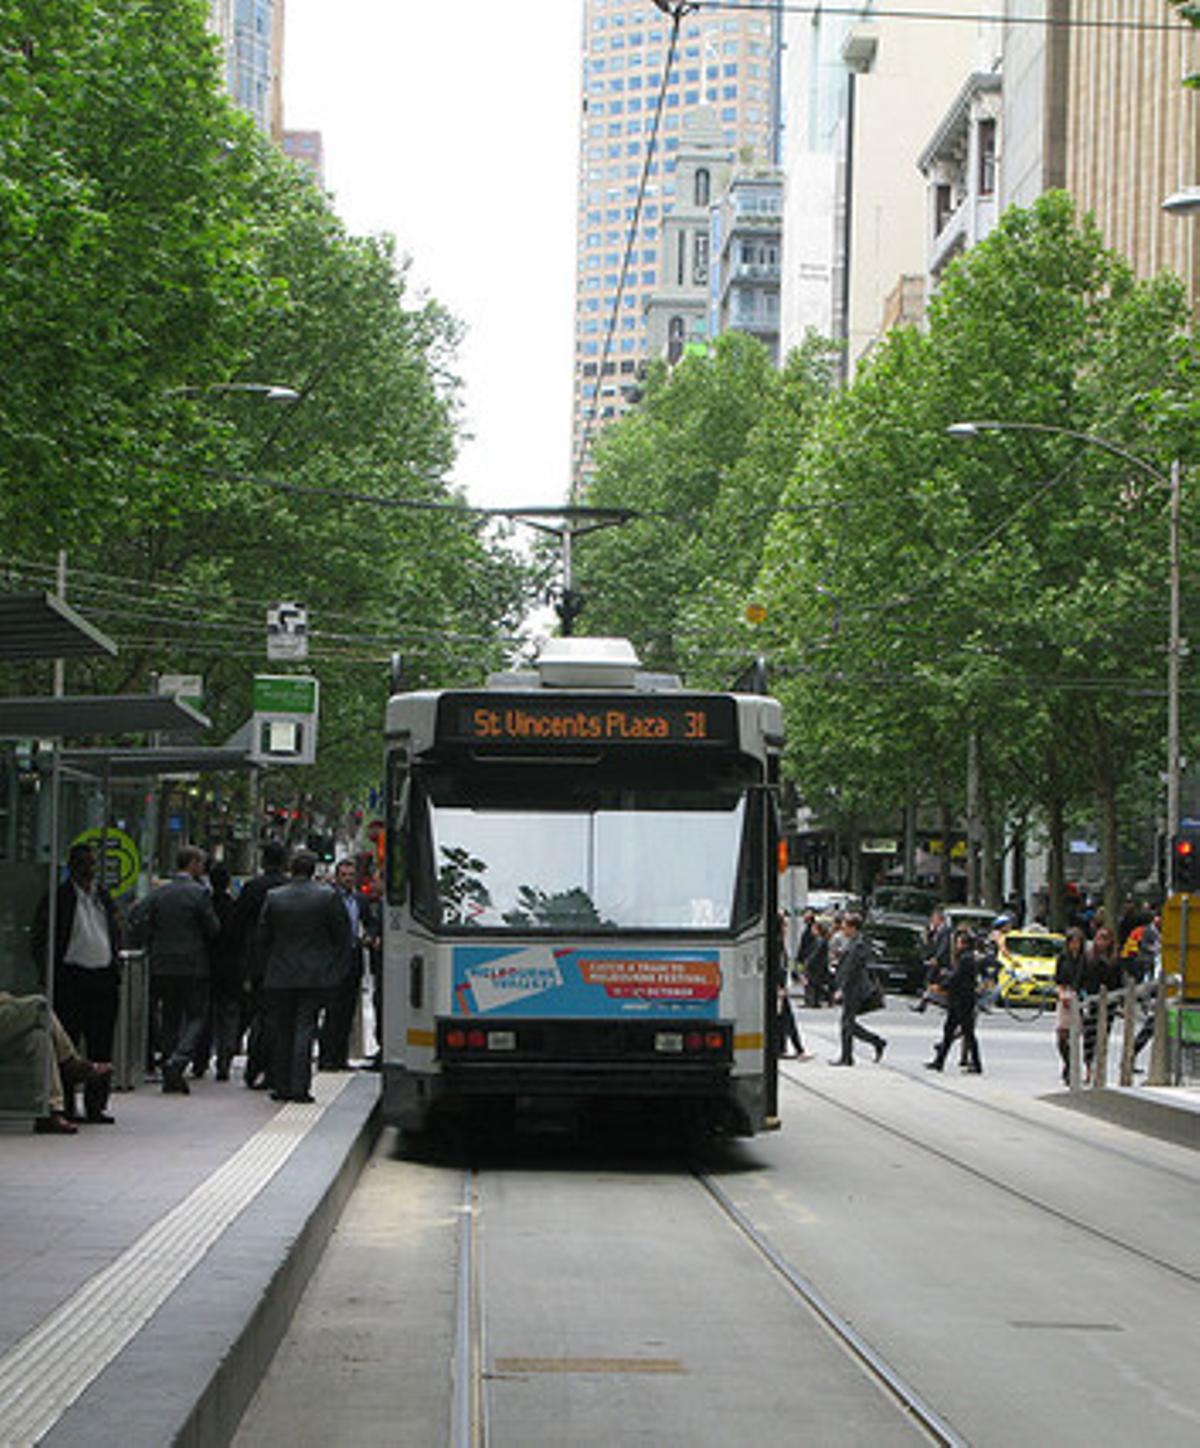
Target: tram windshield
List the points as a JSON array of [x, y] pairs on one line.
[[573, 849]]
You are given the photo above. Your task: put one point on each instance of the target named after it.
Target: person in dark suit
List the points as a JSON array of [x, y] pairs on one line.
[[937, 961], [176, 922], [336, 1029], [86, 972], [243, 923], [849, 988], [303, 938], [962, 986]]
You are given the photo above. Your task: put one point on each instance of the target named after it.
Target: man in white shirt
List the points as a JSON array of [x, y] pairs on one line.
[[86, 979]]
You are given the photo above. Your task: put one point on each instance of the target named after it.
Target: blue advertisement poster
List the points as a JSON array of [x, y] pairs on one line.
[[585, 983]]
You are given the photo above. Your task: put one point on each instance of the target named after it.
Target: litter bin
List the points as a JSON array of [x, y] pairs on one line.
[[133, 1021]]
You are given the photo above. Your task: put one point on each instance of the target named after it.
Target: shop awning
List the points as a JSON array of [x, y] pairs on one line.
[[73, 715], [42, 626]]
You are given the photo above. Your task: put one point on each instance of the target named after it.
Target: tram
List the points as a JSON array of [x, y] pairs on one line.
[[581, 896]]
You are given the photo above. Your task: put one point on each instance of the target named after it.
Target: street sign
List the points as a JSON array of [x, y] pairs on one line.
[[120, 862], [283, 726], [287, 631], [285, 694]]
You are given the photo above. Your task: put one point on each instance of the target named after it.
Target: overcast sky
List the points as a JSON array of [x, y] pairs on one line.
[[453, 124]]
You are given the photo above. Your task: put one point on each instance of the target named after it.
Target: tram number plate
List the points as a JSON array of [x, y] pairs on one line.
[[669, 1041], [502, 1040]]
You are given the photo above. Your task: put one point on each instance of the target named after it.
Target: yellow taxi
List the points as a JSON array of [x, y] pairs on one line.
[[1026, 960]]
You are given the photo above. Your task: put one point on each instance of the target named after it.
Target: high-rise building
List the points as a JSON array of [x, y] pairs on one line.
[[726, 60], [251, 36], [1096, 104], [747, 247], [308, 148], [865, 92]]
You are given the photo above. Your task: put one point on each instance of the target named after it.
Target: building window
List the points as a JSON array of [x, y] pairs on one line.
[[943, 207], [703, 186], [674, 340], [700, 260], [987, 158]]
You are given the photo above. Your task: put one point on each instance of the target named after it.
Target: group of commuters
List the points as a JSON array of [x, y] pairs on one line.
[[1109, 960], [833, 962], [279, 967]]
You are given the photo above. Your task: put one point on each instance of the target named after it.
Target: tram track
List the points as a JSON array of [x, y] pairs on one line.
[[1026, 1198], [470, 1413], [927, 1418]]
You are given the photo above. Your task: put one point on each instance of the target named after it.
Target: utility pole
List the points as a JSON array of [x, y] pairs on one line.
[[1174, 649]]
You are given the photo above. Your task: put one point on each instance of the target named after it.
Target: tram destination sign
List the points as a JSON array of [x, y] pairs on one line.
[[654, 719]]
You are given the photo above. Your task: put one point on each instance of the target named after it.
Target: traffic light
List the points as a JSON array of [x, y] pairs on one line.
[[1185, 851]]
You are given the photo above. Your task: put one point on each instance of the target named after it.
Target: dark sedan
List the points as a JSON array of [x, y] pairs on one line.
[[898, 953]]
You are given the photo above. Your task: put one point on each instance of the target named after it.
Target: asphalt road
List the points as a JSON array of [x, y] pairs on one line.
[[1027, 1273]]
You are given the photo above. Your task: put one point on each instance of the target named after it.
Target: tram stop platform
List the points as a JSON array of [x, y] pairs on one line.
[[149, 1268], [1170, 1113]]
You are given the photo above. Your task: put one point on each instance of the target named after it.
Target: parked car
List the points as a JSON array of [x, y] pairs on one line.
[[832, 902], [904, 902], [1026, 962], [975, 918], [899, 948]]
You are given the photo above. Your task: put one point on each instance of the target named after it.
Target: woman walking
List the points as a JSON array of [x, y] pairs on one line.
[[1101, 967], [1068, 978]]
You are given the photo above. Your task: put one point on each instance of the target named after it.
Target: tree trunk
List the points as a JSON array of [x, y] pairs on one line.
[[944, 822], [1054, 872], [1106, 804]]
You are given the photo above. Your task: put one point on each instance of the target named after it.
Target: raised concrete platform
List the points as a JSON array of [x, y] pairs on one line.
[[148, 1269], [1171, 1113]]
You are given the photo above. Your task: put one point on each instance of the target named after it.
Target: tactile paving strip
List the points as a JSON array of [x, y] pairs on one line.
[[44, 1373]]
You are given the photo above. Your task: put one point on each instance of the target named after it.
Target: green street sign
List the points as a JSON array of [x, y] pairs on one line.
[[285, 694]]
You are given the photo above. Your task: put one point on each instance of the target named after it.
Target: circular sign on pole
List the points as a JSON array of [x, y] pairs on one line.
[[120, 862]]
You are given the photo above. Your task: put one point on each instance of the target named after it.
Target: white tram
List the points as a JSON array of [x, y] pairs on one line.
[[581, 895]]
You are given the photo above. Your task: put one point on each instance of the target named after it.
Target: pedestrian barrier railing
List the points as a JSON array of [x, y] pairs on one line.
[[1150, 1015]]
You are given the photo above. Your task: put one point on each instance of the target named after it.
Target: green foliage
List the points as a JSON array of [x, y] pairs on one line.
[[152, 243], [703, 461], [1013, 588]]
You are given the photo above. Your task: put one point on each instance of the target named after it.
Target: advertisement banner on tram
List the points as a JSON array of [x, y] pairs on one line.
[[584, 983]]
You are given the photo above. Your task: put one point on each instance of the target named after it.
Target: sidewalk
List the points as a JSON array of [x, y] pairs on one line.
[[147, 1269]]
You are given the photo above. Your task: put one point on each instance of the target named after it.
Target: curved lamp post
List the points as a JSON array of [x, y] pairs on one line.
[[1172, 482], [270, 391]]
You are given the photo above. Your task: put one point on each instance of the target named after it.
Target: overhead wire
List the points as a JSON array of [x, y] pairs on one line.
[[865, 13]]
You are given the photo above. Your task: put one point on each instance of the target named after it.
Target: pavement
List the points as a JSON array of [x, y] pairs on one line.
[[149, 1269]]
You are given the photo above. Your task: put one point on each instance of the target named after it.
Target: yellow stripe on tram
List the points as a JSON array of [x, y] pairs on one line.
[[421, 1038], [751, 1041]]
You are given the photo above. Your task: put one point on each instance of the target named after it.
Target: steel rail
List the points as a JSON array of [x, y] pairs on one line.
[[898, 1387], [898, 1133]]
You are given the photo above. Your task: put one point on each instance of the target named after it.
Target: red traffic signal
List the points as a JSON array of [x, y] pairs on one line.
[[1185, 871]]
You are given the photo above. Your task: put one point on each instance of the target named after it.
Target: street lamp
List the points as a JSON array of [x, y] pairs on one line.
[[270, 391], [1172, 482], [1183, 202]]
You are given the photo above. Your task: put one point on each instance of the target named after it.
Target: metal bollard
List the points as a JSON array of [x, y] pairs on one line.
[[1075, 1045], [1100, 1055], [1159, 1056], [1130, 1034], [133, 1016]]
